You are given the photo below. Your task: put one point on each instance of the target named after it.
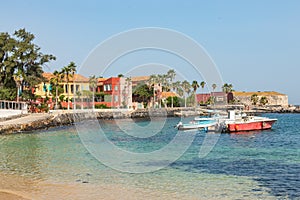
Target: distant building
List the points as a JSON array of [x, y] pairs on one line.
[[220, 98], [274, 98]]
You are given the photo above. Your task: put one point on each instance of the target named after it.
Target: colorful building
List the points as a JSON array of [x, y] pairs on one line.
[[117, 92], [220, 98], [76, 84]]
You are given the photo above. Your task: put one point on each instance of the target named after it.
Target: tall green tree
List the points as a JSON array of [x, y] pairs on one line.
[[171, 74], [195, 86], [56, 80], [227, 88], [18, 54], [186, 86], [214, 86], [69, 72], [153, 80], [202, 84], [93, 85]]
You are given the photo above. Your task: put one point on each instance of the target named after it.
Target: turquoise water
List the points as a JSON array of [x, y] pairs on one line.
[[253, 165]]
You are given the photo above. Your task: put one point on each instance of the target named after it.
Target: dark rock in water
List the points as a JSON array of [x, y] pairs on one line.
[[88, 174], [78, 180], [85, 182]]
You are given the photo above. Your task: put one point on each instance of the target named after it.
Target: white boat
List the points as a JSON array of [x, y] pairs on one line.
[[196, 124]]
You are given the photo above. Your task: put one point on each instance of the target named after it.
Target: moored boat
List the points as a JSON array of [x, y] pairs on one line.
[[196, 124], [248, 123]]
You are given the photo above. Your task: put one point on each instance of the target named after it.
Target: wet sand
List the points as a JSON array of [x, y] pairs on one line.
[[14, 187]]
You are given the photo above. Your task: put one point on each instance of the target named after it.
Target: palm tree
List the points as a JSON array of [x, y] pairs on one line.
[[175, 86], [153, 80], [128, 83], [227, 88], [69, 71], [93, 85], [55, 80], [195, 86], [186, 86], [214, 86], [254, 99], [171, 74], [263, 100], [202, 84]]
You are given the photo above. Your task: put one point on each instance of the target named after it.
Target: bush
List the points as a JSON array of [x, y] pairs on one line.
[[101, 106]]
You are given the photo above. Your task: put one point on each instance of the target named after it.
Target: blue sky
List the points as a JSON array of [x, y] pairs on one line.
[[255, 44]]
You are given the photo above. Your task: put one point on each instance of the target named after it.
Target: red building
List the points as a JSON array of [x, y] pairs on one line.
[[219, 97], [117, 92]]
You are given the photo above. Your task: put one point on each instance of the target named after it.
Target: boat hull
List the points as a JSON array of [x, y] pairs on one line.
[[250, 126]]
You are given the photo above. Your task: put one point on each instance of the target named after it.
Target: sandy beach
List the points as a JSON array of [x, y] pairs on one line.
[[13, 187]]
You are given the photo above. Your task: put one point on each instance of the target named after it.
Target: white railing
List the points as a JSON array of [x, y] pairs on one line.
[[12, 105]]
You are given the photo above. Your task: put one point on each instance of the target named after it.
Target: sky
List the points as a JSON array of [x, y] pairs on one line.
[[254, 44]]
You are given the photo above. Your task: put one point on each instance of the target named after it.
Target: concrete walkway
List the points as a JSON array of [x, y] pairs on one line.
[[26, 119]]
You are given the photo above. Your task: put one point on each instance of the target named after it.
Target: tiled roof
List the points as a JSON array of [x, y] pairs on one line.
[[169, 94], [140, 78], [47, 75], [265, 93], [77, 77]]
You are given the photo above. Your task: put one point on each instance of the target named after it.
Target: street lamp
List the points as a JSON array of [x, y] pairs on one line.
[[18, 79]]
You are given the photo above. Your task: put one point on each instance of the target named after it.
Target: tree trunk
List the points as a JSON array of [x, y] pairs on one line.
[[93, 98], [153, 96], [68, 96], [172, 101], [56, 98]]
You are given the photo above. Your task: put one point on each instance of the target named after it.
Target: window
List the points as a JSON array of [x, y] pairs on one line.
[[116, 98], [116, 88], [72, 88], [66, 89]]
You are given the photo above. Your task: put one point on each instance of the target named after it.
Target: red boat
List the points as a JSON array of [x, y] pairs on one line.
[[249, 123]]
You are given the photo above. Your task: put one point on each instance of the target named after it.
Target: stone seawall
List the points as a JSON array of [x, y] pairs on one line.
[[43, 121], [34, 122]]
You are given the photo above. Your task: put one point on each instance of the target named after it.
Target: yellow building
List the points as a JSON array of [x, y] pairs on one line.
[[78, 82]]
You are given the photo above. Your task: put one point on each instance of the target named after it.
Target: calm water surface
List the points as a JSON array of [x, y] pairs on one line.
[[254, 165]]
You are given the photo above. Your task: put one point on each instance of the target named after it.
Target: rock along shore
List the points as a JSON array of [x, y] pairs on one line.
[[38, 121]]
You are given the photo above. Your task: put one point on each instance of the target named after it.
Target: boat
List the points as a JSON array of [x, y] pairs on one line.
[[247, 123], [196, 125]]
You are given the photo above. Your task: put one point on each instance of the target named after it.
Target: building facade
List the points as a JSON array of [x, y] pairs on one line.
[[117, 92], [274, 98]]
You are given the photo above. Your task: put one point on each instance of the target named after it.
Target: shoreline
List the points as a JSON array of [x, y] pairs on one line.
[[57, 118], [16, 187]]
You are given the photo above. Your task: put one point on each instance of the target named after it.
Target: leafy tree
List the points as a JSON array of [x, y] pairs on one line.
[[176, 101], [19, 56], [254, 99], [142, 93]]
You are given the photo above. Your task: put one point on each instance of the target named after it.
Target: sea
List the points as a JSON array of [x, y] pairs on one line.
[[151, 154]]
